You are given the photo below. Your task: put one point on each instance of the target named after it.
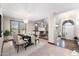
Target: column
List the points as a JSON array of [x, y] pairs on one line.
[[51, 28]]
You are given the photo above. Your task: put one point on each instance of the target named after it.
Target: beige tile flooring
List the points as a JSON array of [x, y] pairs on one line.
[[41, 49]]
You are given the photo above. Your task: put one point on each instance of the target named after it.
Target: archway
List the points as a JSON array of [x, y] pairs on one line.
[[68, 29]]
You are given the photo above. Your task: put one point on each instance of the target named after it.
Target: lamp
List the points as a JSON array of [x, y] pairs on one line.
[[25, 20]]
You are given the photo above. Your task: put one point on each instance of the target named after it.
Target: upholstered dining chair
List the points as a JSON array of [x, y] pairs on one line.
[[18, 41]]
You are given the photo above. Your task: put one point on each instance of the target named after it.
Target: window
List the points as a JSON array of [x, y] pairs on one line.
[[22, 28], [17, 27]]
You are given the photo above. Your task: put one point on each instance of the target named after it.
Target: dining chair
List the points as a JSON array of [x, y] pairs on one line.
[[18, 41]]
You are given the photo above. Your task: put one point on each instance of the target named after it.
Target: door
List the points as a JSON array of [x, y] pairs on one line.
[[68, 29]]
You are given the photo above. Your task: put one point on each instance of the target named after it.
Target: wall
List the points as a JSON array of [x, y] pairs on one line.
[[51, 28], [60, 18], [1, 38], [70, 15], [30, 27], [77, 26], [1, 21], [6, 22]]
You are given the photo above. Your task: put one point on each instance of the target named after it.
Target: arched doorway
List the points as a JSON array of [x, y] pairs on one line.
[[68, 29]]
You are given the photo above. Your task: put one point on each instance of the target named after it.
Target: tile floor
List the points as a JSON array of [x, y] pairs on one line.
[[41, 49]]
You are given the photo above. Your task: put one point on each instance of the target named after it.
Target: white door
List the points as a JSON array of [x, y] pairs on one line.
[[68, 30]]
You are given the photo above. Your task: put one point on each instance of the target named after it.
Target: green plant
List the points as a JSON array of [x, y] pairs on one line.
[[6, 33]]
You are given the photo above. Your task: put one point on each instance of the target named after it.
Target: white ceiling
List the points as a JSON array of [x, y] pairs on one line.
[[35, 11]]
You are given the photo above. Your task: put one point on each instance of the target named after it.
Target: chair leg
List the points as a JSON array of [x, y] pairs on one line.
[[25, 46], [17, 48], [2, 48], [22, 46], [35, 42], [38, 41]]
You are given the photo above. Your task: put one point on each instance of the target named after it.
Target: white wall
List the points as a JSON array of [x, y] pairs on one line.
[[51, 28], [70, 15], [30, 27], [53, 18], [6, 22]]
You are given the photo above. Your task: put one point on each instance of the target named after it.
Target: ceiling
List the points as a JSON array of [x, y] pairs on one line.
[[35, 11]]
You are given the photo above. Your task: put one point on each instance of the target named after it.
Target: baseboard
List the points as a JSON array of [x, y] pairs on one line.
[[52, 43]]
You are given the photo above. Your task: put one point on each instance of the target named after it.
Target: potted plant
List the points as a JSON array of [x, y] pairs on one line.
[[6, 34]]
